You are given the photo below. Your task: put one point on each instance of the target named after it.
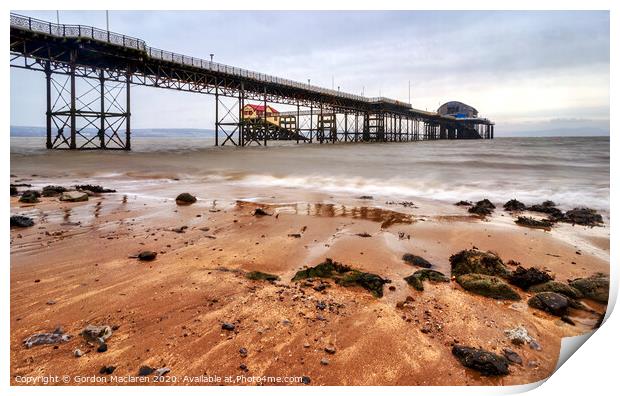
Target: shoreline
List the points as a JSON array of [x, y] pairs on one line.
[[169, 311]]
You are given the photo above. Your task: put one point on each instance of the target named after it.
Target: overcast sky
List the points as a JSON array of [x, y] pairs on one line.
[[527, 71]]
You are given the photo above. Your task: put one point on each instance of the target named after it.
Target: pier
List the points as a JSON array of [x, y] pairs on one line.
[[108, 64]]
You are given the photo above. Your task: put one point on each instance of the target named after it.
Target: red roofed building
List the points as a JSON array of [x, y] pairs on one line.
[[252, 111]]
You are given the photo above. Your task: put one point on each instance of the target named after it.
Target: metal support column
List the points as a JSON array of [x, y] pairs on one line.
[[72, 107], [265, 127], [128, 111], [48, 113], [101, 109], [217, 105], [241, 137]]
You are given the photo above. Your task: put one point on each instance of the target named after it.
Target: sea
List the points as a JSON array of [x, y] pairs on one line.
[[571, 171]]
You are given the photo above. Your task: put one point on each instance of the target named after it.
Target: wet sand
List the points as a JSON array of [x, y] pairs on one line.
[[74, 268]]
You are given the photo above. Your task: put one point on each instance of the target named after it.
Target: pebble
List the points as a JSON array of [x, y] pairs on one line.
[[160, 372], [107, 369], [78, 353], [102, 348], [305, 380], [243, 352], [324, 361], [228, 326], [330, 349], [144, 370]]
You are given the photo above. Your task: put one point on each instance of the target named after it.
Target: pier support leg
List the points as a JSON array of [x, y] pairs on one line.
[[127, 110], [81, 100], [48, 112], [217, 106], [73, 125]]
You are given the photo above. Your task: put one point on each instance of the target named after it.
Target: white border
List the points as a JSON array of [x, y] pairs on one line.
[[592, 370]]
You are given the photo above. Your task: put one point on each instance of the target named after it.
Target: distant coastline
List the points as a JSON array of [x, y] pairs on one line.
[[36, 131]]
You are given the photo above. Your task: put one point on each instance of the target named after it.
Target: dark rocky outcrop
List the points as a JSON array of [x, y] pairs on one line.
[[371, 282], [260, 212], [185, 199], [474, 261], [553, 303], [525, 278], [556, 287], [94, 188], [595, 287], [327, 269], [21, 221], [14, 191], [485, 362], [30, 196], [257, 275], [416, 260], [344, 276], [417, 278], [488, 286], [52, 191], [531, 222], [464, 203], [548, 207], [583, 216], [482, 208], [514, 206]]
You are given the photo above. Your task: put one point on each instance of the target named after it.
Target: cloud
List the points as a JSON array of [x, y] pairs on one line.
[[513, 66]]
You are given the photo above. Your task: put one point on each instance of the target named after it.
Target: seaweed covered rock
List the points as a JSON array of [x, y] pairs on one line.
[[556, 287], [371, 282], [416, 260], [548, 207], [514, 206], [525, 278], [94, 188], [74, 196], [327, 269], [482, 208], [257, 275], [531, 222], [553, 303], [595, 287], [583, 216], [417, 278], [30, 196], [488, 286], [21, 221], [52, 191], [475, 261], [485, 362], [344, 276], [185, 199]]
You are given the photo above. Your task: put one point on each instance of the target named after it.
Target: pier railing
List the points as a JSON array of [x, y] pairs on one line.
[[93, 33]]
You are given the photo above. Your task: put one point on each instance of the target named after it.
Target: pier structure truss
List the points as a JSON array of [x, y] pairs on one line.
[[89, 74]]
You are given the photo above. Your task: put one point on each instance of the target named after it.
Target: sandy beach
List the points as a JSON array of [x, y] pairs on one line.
[[76, 266]]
